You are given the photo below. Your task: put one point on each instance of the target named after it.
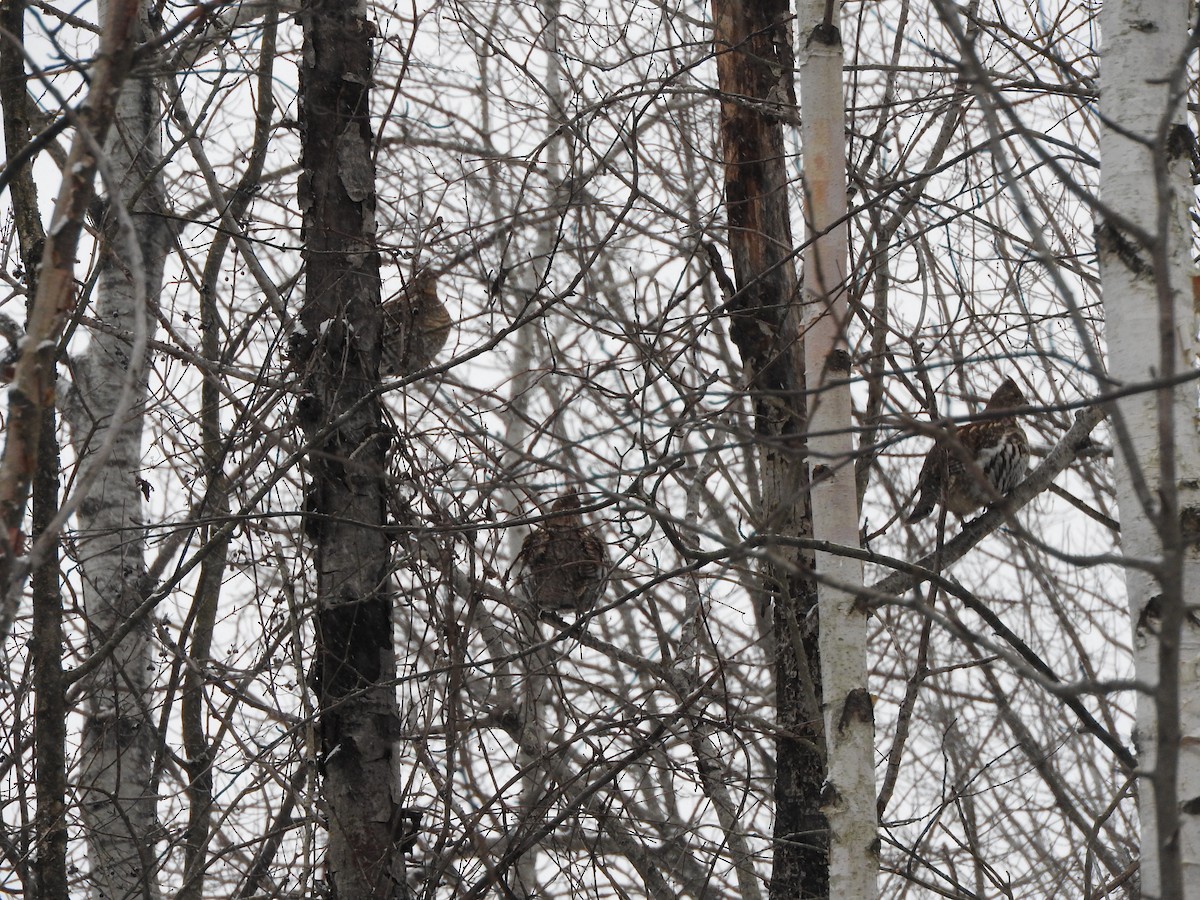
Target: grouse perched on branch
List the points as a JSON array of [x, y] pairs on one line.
[[563, 560], [415, 327], [999, 455]]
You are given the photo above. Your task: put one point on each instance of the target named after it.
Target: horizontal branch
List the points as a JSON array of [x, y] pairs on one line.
[[1056, 461]]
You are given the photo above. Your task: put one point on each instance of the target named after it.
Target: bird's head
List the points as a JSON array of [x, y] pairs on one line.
[[421, 286], [567, 503], [1007, 397]]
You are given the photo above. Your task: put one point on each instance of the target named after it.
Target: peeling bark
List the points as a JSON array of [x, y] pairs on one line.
[[754, 61], [55, 296], [338, 350]]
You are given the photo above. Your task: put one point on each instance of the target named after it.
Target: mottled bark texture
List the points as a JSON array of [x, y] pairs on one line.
[[106, 416], [338, 352], [54, 298], [754, 68]]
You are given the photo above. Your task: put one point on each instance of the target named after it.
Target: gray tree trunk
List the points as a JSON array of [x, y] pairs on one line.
[[338, 350], [106, 413]]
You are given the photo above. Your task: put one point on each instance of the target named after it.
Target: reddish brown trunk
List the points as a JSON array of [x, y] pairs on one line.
[[754, 64], [50, 717]]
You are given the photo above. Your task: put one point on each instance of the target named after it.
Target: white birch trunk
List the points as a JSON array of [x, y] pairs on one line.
[[1145, 268], [849, 798], [116, 793]]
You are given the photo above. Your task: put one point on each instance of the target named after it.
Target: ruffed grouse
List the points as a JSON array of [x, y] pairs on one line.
[[415, 327], [563, 560], [998, 448]]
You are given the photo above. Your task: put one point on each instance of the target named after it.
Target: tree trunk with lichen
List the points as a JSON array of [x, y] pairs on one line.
[[338, 351], [754, 69]]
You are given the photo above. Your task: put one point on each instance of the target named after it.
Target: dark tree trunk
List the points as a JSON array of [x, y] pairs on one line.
[[50, 715], [754, 66], [337, 349]]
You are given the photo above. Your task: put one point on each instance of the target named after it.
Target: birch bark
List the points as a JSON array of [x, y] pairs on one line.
[[106, 414], [1144, 242], [849, 796]]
